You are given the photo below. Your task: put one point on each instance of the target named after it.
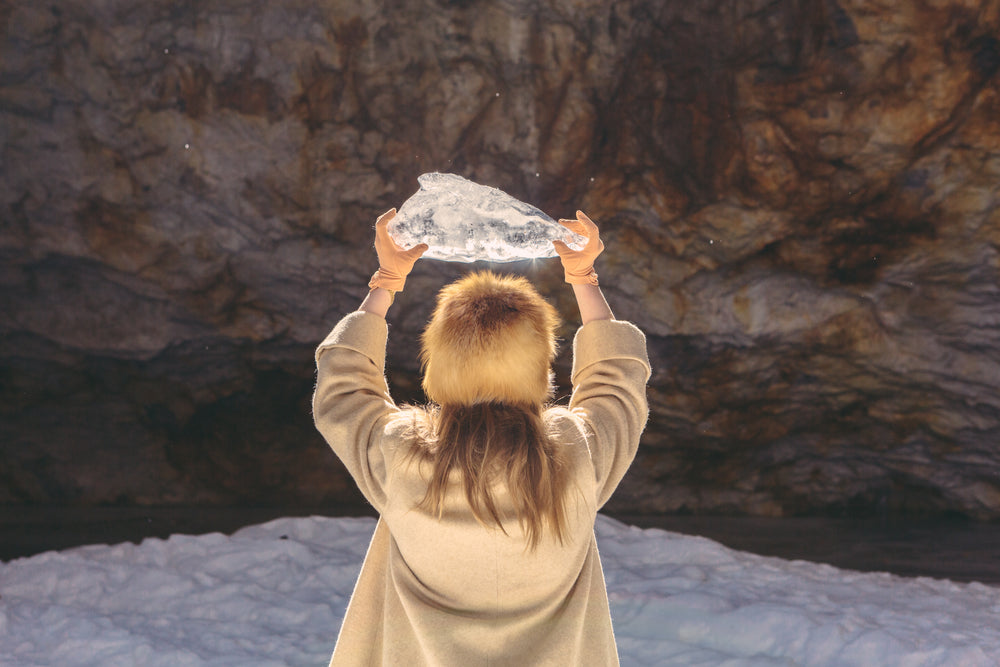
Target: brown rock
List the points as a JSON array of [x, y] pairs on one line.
[[799, 202]]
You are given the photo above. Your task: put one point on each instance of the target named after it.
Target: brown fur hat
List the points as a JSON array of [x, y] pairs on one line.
[[491, 338]]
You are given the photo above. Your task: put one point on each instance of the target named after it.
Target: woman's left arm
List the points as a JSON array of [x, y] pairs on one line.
[[377, 302], [352, 403]]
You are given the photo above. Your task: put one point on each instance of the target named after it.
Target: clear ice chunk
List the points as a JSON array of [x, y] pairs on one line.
[[463, 221]]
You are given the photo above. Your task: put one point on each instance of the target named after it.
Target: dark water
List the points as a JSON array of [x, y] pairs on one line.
[[956, 549]]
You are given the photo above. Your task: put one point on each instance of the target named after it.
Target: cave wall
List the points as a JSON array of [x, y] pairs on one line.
[[799, 202]]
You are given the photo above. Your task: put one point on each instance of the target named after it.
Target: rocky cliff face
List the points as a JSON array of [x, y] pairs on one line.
[[799, 201]]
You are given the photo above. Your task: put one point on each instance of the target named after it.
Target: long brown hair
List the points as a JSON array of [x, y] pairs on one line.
[[491, 442], [487, 354]]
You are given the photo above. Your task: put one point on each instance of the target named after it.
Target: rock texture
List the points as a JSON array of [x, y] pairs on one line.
[[799, 201]]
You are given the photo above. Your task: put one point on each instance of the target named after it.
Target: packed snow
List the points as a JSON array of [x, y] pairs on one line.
[[274, 594]]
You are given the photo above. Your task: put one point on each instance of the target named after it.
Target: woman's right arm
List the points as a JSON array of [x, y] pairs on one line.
[[579, 269], [592, 304], [610, 366], [610, 371]]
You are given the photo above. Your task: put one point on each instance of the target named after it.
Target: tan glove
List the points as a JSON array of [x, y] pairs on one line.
[[579, 264], [394, 263]]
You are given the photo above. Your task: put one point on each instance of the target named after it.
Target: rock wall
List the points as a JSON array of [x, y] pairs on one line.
[[799, 201]]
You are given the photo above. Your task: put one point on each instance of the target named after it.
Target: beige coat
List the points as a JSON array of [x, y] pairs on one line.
[[452, 591]]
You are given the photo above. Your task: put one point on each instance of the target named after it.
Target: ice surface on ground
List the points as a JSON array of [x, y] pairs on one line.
[[463, 221], [275, 594]]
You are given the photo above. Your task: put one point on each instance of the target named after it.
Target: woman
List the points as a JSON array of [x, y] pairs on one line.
[[484, 553]]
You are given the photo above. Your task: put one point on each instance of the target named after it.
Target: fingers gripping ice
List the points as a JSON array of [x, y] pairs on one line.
[[463, 221]]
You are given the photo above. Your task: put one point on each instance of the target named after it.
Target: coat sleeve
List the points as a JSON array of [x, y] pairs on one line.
[[351, 404], [610, 371]]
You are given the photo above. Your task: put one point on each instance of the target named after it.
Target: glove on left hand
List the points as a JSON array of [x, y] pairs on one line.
[[394, 263]]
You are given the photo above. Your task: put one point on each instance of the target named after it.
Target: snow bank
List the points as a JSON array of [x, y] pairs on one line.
[[275, 594]]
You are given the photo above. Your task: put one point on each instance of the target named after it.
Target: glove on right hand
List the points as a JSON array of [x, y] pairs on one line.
[[579, 264]]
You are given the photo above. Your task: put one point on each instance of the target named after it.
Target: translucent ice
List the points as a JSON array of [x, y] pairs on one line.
[[463, 221]]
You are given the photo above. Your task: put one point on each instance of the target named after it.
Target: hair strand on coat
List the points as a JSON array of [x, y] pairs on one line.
[[491, 442]]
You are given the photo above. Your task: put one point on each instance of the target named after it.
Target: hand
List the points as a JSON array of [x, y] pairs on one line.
[[394, 263], [579, 264]]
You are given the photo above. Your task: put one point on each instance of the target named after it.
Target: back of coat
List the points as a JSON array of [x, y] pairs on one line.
[[451, 590]]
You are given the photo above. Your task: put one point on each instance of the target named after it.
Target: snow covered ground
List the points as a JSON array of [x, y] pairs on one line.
[[274, 594]]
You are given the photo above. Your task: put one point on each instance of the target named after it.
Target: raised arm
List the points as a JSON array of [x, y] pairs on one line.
[[579, 269], [351, 403], [377, 302], [394, 264], [593, 306], [610, 366]]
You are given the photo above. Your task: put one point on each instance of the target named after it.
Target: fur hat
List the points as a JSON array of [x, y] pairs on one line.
[[491, 338]]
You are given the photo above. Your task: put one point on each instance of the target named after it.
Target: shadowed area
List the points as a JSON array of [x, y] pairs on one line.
[[944, 548]]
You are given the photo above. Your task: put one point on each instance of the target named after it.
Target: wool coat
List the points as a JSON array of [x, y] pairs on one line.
[[451, 590]]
